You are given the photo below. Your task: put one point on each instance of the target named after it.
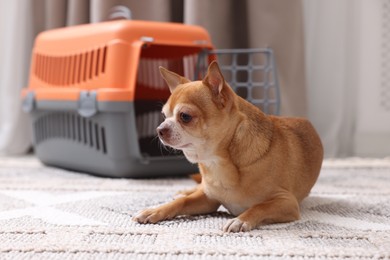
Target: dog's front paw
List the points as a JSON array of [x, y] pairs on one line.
[[237, 225], [150, 216]]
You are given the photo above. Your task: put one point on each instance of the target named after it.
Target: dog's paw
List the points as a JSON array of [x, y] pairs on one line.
[[237, 225], [152, 216]]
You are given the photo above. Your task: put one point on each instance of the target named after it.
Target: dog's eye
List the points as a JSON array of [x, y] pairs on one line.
[[185, 118], [163, 115]]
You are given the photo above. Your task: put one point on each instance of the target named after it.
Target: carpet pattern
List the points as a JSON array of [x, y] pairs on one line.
[[49, 213]]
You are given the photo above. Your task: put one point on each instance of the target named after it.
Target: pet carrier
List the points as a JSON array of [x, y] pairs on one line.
[[95, 94]]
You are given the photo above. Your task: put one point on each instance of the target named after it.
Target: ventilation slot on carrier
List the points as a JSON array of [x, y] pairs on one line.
[[73, 127], [70, 69]]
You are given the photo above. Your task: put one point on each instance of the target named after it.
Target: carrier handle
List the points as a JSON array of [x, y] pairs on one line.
[[119, 12]]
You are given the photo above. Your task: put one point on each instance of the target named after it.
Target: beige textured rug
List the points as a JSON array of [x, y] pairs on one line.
[[49, 213]]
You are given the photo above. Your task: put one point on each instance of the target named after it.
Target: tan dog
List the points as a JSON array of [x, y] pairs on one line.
[[259, 167]]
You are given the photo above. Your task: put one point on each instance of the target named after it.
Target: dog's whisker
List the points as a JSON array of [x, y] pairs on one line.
[[162, 147]]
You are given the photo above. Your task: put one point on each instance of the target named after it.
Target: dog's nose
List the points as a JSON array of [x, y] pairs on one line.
[[163, 131]]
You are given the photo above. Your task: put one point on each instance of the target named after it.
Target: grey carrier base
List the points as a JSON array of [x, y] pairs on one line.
[[105, 144]]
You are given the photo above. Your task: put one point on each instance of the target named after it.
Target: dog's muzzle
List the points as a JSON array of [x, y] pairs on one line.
[[164, 132]]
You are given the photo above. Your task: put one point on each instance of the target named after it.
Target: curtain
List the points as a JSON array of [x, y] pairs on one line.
[[260, 23], [331, 51], [231, 23], [16, 37]]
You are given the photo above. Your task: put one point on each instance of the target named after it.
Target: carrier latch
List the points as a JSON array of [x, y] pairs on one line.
[[28, 103], [87, 103]]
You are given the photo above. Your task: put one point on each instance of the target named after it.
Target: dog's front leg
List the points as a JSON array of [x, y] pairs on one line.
[[194, 204], [283, 208]]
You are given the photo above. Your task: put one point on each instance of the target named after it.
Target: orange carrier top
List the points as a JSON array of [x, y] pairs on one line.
[[112, 58]]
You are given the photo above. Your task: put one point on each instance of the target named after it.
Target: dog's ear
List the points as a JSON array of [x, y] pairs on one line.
[[172, 79], [214, 78], [215, 81]]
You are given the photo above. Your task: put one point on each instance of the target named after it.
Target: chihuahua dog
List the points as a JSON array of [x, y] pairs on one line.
[[258, 166]]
